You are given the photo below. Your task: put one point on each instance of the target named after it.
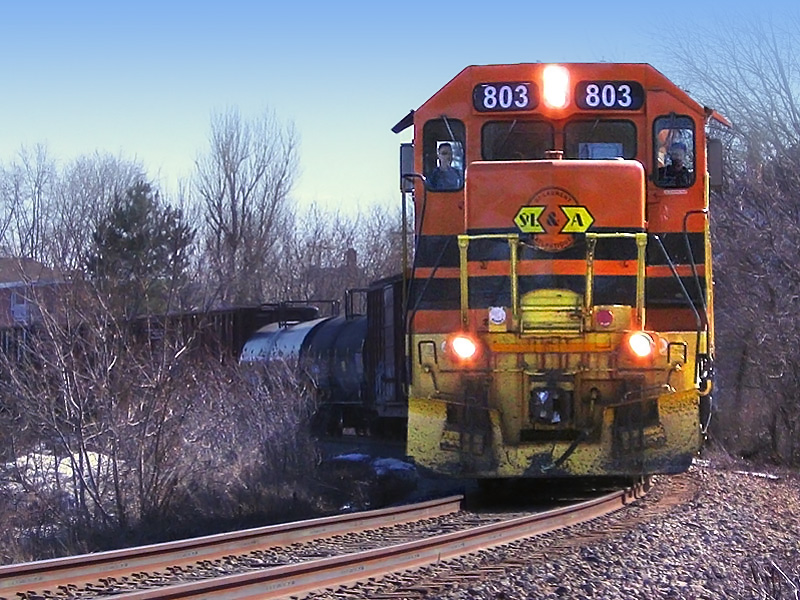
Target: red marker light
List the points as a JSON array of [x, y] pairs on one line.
[[604, 318]]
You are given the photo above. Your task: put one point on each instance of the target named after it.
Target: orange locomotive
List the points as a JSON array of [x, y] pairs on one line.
[[560, 310]]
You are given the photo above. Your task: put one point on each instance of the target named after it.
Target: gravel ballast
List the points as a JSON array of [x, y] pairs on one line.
[[718, 531]]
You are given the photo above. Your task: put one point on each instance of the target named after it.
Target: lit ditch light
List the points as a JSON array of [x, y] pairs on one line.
[[641, 344]]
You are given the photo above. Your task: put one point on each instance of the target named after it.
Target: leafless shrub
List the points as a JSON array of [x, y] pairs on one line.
[[138, 438], [758, 296], [258, 454]]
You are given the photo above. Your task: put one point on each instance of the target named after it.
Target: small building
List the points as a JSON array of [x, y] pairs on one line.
[[19, 278]]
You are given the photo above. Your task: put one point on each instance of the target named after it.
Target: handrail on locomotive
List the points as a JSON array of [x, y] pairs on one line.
[[514, 243]]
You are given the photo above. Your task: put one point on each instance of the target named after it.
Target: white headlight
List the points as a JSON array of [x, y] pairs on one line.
[[464, 347], [641, 344], [556, 86]]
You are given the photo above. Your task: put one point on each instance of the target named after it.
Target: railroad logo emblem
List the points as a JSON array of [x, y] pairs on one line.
[[527, 219], [552, 217]]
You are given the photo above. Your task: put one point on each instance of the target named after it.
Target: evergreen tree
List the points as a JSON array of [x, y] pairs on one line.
[[141, 250]]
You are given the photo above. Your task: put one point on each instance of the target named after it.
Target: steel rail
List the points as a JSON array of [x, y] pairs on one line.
[[86, 568], [293, 580]]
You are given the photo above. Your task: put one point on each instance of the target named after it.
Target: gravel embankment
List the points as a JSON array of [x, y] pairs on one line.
[[740, 527], [734, 534]]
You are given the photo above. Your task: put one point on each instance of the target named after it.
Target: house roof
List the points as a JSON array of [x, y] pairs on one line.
[[15, 271]]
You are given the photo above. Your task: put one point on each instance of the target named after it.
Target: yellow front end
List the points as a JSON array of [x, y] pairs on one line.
[[554, 407], [556, 387]]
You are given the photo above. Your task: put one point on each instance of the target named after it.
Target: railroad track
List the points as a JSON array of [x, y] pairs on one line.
[[295, 558]]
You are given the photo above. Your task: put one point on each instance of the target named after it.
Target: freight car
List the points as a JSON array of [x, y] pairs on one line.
[[558, 317], [352, 361]]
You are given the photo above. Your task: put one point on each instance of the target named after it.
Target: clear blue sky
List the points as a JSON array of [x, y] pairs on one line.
[[141, 79]]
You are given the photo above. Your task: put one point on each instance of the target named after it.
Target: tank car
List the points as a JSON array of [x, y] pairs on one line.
[[328, 353], [560, 314], [353, 362]]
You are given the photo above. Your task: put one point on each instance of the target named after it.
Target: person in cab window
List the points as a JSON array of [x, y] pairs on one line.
[[675, 173], [445, 176]]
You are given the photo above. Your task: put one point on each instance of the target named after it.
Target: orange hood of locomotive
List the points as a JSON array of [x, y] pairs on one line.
[[552, 198]]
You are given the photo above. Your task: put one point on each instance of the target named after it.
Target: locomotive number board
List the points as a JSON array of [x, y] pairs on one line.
[[505, 96], [609, 95]]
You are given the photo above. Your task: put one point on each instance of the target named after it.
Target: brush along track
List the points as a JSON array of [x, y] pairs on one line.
[[278, 565]]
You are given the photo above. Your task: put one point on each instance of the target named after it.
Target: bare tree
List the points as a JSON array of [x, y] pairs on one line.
[[751, 72], [27, 187], [84, 196], [48, 214], [381, 242], [243, 183], [326, 253]]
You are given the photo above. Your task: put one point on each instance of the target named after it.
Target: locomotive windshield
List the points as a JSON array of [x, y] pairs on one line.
[[516, 140], [600, 139]]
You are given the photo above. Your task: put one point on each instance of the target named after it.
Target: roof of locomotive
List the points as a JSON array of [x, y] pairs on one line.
[[459, 89]]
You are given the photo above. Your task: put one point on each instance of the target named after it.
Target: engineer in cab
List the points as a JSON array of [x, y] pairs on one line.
[[445, 177], [675, 173]]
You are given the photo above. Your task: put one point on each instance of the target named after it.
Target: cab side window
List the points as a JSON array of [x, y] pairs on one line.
[[443, 154], [674, 158], [600, 139]]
